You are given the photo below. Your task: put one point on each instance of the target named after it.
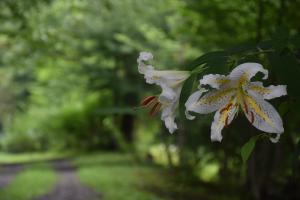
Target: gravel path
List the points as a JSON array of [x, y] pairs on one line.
[[68, 186], [8, 173]]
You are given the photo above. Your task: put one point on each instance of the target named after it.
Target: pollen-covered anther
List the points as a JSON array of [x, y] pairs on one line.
[[148, 100], [155, 109]]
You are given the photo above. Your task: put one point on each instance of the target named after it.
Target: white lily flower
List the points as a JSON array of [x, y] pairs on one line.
[[171, 83], [237, 91]]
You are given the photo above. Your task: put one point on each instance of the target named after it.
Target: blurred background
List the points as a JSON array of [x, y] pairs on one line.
[[69, 85]]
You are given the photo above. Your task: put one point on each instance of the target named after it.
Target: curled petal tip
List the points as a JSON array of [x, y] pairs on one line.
[[172, 129], [144, 56], [266, 73], [249, 69], [216, 137], [275, 139], [170, 123], [284, 90], [189, 116], [213, 80]]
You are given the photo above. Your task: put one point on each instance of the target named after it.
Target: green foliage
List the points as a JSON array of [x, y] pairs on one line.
[[31, 183], [105, 172], [126, 176], [69, 77], [16, 143], [216, 60], [248, 147]]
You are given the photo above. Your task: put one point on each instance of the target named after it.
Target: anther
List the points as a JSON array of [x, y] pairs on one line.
[[148, 100], [155, 109]]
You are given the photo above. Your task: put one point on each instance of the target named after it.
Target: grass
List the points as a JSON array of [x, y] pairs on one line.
[[34, 181], [10, 158], [115, 176]]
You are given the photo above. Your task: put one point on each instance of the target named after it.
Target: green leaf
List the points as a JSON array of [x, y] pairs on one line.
[[248, 147], [242, 48], [208, 58], [286, 69], [185, 93]]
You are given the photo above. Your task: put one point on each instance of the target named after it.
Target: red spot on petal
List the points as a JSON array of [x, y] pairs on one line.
[[226, 108]]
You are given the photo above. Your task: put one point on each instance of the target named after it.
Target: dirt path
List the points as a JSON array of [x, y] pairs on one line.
[[68, 186], [8, 173]]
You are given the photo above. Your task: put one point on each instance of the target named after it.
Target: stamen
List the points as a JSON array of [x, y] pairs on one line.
[[251, 117], [246, 107], [226, 121], [155, 109], [148, 100]]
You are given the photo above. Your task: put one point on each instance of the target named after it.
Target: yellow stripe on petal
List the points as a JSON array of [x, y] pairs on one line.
[[270, 92], [262, 114], [213, 101], [216, 96], [251, 103]]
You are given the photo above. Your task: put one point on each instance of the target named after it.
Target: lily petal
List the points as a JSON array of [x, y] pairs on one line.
[[222, 118], [170, 78], [275, 139], [192, 100], [171, 83], [246, 71], [262, 114], [158, 76], [211, 101], [214, 80], [168, 94], [144, 57], [270, 92], [168, 116]]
